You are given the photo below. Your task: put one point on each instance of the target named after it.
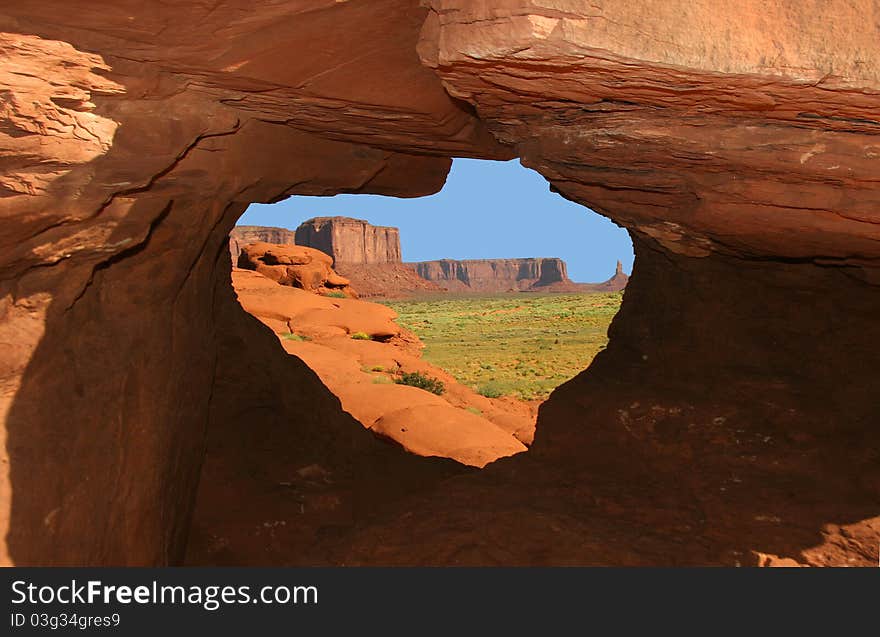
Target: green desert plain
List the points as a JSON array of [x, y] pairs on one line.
[[517, 344]]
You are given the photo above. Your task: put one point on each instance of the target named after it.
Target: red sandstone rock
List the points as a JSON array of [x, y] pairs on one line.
[[616, 283], [737, 141], [620, 120], [371, 256], [349, 240], [442, 430], [296, 266], [371, 253], [243, 235], [421, 422], [492, 275], [511, 275], [387, 280]]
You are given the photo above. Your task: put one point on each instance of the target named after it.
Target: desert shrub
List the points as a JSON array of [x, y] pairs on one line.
[[381, 380], [377, 368], [337, 295], [474, 411], [290, 336], [417, 379], [361, 336], [490, 390]]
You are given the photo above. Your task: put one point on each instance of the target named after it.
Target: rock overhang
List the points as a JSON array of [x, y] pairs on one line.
[[645, 117], [738, 142]]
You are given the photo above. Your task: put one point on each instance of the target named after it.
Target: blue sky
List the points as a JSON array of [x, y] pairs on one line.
[[487, 209]]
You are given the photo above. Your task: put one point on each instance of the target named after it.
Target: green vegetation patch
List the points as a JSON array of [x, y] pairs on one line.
[[522, 345], [422, 381]]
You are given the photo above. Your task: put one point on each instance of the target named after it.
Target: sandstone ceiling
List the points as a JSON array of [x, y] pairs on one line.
[[738, 141], [749, 123], [709, 126]]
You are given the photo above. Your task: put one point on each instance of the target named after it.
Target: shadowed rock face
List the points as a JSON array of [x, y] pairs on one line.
[[734, 406]]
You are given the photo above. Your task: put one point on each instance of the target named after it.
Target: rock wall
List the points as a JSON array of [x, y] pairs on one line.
[[370, 256], [243, 235], [120, 172], [493, 275], [733, 414], [350, 240], [511, 275], [577, 90]]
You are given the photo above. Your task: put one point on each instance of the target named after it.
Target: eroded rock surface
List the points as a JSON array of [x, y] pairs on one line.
[[349, 240], [510, 275], [359, 352], [243, 235], [191, 113], [368, 255], [765, 145], [388, 280], [296, 266], [733, 413]]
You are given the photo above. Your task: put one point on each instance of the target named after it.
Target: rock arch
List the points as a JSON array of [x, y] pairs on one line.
[[737, 142]]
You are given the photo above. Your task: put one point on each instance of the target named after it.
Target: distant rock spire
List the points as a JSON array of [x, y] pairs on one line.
[[619, 269]]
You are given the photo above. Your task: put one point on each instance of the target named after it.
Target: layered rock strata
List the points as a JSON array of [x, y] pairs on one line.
[[510, 275], [731, 418], [349, 240], [492, 275]]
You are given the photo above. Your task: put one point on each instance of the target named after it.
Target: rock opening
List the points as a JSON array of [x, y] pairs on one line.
[[730, 420]]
